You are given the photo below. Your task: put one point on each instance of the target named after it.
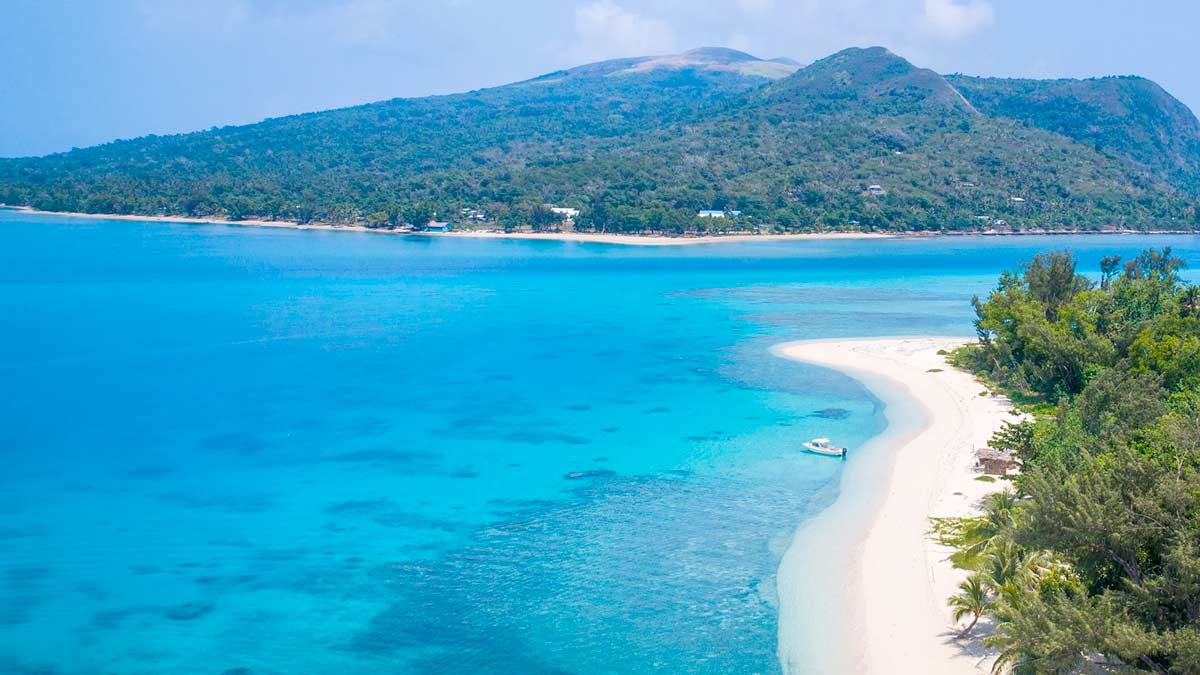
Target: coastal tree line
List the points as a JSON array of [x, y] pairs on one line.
[[1093, 555]]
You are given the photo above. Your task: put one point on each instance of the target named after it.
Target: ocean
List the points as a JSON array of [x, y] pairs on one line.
[[236, 450]]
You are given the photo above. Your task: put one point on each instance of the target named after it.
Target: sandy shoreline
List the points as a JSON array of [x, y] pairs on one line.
[[658, 240], [866, 564], [580, 237]]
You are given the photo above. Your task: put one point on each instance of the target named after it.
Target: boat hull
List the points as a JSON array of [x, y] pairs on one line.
[[828, 452]]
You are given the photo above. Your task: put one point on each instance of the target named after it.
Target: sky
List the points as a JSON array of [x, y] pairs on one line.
[[75, 73]]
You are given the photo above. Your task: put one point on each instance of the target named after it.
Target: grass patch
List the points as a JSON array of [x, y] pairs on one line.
[[985, 479], [934, 370]]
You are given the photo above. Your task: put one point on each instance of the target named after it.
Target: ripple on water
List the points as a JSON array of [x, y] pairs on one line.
[[551, 588]]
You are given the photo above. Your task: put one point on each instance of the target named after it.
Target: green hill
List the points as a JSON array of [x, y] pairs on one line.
[[1130, 117], [861, 139]]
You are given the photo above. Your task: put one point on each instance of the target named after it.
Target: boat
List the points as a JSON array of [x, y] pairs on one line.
[[821, 446]]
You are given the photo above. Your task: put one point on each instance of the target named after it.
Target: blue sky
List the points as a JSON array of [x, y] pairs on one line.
[[79, 73]]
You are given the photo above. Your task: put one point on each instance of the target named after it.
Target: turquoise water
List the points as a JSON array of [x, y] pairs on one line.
[[241, 450]]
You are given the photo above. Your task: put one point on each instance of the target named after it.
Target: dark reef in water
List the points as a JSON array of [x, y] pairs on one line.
[[383, 511], [536, 437], [831, 413], [407, 462], [358, 506], [591, 473], [21, 588], [150, 472], [189, 611]]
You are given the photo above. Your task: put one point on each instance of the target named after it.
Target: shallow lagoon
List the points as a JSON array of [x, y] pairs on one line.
[[290, 451]]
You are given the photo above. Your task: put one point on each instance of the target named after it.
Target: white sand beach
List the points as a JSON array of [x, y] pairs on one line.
[[862, 587], [579, 237], [582, 237], [661, 240]]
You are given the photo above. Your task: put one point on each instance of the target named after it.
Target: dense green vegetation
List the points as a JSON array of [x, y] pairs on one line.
[[643, 144], [1130, 117], [1094, 554]]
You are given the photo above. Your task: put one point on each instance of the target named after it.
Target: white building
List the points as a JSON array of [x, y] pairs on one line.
[[876, 190], [474, 214], [712, 213], [565, 212]]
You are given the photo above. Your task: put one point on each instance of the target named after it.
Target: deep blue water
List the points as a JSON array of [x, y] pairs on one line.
[[282, 451]]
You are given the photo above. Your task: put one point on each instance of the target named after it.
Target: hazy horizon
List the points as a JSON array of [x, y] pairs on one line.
[[80, 76]]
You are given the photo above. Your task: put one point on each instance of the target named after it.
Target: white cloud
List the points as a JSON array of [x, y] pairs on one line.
[[605, 29], [955, 19]]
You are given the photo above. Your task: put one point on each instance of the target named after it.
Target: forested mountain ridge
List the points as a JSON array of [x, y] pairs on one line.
[[642, 144], [1131, 116]]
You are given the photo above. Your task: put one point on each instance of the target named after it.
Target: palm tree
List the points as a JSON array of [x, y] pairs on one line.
[[979, 534], [1191, 299], [972, 599], [1002, 566]]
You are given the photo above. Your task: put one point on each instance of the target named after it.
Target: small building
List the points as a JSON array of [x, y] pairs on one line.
[[713, 213], [993, 462], [1017, 200], [435, 226], [876, 190], [566, 212]]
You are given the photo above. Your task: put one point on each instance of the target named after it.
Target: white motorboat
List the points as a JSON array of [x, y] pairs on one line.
[[821, 446]]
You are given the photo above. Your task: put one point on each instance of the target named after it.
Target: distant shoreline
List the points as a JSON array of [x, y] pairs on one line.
[[581, 237], [862, 587]]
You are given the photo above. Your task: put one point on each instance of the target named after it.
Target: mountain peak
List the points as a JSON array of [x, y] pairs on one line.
[[719, 55], [713, 59], [710, 60], [865, 63], [873, 74]]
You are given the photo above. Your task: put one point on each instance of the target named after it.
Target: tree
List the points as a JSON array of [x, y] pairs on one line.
[[1100, 554], [377, 219], [1117, 401], [542, 219], [1109, 268], [418, 214], [972, 599], [1052, 281]]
